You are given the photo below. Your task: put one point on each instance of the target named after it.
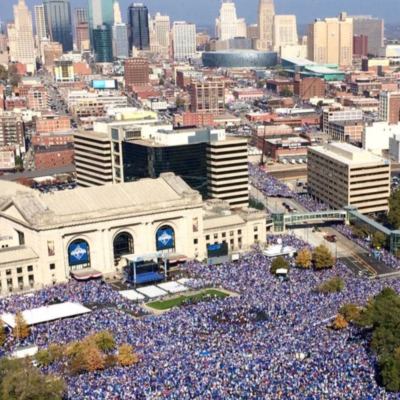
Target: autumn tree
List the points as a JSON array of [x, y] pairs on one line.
[[379, 240], [56, 352], [105, 341], [21, 329], [394, 209], [304, 258], [125, 355], [351, 312], [110, 361], [323, 258], [94, 359], [279, 263], [3, 335], [74, 349], [43, 357], [339, 322]]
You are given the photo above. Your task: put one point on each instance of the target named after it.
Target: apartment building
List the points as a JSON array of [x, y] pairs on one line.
[[207, 97], [389, 108], [339, 114], [340, 174]]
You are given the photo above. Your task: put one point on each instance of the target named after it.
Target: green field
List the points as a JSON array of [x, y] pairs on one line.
[[166, 304]]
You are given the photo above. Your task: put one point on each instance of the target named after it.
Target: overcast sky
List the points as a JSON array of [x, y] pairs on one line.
[[205, 11]]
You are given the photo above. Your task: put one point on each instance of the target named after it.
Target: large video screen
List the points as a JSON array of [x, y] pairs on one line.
[[217, 250], [104, 84]]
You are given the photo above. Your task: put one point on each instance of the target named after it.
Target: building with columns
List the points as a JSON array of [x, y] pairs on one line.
[[87, 231]]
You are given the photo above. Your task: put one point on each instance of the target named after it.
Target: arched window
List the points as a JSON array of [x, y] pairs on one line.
[[123, 244], [165, 239], [79, 254]]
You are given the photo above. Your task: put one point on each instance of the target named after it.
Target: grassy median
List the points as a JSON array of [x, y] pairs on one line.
[[177, 302]]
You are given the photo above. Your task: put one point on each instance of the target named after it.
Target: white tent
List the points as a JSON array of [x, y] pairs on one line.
[[131, 295], [152, 291], [47, 313], [173, 287], [279, 250]]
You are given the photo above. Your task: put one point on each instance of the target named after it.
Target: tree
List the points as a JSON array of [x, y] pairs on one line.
[[379, 240], [286, 92], [110, 361], [125, 355], [21, 329], [339, 322], [179, 102], [22, 381], [304, 258], [320, 104], [256, 204], [351, 312], [13, 76], [361, 232], [56, 352], [105, 341], [43, 358], [3, 73], [323, 258], [94, 359], [3, 335], [334, 285], [279, 263], [74, 350], [394, 209]]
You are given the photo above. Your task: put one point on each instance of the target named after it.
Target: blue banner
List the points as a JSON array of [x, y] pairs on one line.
[[214, 247], [78, 253], [165, 239]]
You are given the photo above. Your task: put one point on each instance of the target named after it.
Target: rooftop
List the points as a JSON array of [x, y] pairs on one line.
[[347, 153]]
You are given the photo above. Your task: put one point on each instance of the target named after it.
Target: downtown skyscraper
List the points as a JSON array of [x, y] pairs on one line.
[[226, 26], [59, 22], [23, 36], [266, 13], [138, 20], [100, 12]]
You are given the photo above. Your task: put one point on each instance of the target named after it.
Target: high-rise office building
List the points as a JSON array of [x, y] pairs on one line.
[[266, 13], [241, 28], [331, 41], [102, 45], [285, 31], [162, 26], [58, 22], [120, 40], [252, 31], [136, 72], [227, 24], [117, 13], [138, 20], [389, 108], [82, 36], [25, 44], [12, 40], [373, 28], [207, 96], [80, 16], [40, 21], [184, 40], [100, 12]]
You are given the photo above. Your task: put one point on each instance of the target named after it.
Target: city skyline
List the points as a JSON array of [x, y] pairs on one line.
[[205, 12]]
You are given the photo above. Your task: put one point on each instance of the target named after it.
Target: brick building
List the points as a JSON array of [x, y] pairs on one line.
[[389, 109], [308, 88], [248, 94], [291, 148], [15, 102], [360, 46], [207, 97], [53, 156], [53, 123], [49, 139], [277, 85], [194, 119], [136, 72], [346, 131]]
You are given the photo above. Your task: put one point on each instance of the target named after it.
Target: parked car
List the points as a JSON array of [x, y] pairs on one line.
[[331, 238]]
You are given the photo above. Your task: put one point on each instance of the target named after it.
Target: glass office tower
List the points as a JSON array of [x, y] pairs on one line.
[[138, 20], [100, 12], [58, 22], [103, 44]]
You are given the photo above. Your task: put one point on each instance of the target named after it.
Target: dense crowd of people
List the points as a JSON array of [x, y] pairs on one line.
[[272, 187], [271, 340]]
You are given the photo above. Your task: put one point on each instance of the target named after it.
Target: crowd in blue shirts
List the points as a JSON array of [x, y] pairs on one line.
[[270, 340]]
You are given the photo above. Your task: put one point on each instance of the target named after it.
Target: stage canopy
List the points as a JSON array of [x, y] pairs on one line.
[[173, 287], [131, 295], [152, 291], [279, 250], [48, 313]]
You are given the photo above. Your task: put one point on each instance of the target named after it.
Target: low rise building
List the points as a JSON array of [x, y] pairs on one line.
[[193, 119], [334, 114], [248, 94], [346, 131], [340, 174], [53, 123], [52, 139], [290, 148], [53, 157], [308, 88]]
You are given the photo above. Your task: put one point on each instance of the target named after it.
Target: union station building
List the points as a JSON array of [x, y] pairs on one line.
[[47, 238]]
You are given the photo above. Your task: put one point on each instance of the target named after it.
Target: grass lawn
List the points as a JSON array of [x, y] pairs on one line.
[[166, 304]]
